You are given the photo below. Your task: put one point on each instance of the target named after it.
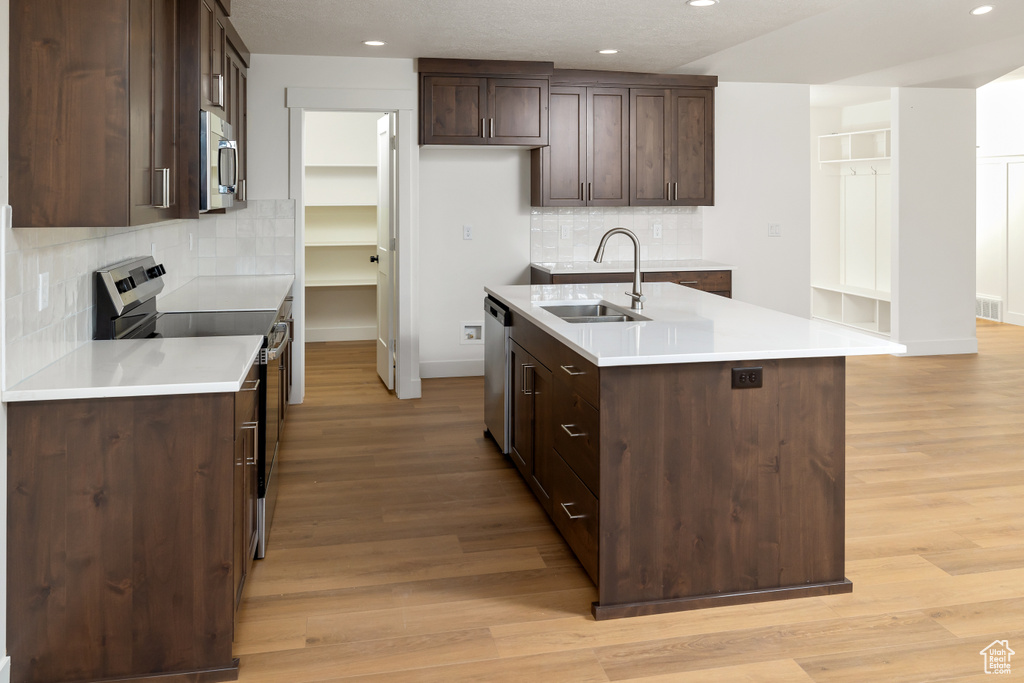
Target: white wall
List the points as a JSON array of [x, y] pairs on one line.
[[488, 189], [1000, 111], [762, 148], [933, 237], [269, 75]]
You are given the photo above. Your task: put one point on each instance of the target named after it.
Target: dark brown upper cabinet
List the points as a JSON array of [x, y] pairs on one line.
[[672, 151], [475, 102], [93, 112], [236, 106], [104, 107], [586, 162]]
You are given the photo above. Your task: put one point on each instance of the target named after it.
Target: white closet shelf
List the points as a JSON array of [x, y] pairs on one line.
[[855, 146], [341, 282], [855, 307], [341, 204], [856, 291], [341, 243], [374, 166]]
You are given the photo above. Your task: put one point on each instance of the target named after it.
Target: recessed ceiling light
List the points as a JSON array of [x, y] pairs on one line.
[[701, 3], [374, 43], [608, 52], [984, 9]]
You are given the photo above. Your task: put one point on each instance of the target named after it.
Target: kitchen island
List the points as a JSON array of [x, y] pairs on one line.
[[691, 458]]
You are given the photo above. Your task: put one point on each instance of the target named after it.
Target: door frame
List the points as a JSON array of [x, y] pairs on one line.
[[404, 104]]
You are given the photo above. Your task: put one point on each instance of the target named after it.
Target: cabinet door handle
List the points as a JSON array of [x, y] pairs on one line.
[[255, 385], [565, 506], [675, 192], [218, 89], [483, 128], [242, 190], [571, 433], [165, 189], [583, 195], [668, 191], [590, 192], [492, 128], [572, 370], [254, 426], [527, 374]]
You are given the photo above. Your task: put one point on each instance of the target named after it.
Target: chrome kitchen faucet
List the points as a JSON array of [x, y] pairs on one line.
[[637, 294]]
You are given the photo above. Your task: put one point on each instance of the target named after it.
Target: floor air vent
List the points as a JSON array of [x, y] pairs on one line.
[[989, 308]]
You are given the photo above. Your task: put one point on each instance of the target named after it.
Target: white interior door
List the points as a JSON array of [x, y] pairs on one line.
[[1014, 310], [859, 221], [385, 250]]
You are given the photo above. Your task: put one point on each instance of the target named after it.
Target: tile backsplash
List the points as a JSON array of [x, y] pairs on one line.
[[256, 240], [681, 231]]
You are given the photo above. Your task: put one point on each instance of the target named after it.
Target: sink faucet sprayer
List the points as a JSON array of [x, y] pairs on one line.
[[637, 295]]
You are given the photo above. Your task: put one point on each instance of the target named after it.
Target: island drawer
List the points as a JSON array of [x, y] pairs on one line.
[[574, 510], [580, 374], [714, 281], [577, 424]]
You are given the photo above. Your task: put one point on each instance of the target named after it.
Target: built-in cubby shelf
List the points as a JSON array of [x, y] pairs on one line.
[[865, 145], [864, 309]]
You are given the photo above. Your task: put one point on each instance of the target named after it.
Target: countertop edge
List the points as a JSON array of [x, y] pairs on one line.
[[127, 391], [668, 359]]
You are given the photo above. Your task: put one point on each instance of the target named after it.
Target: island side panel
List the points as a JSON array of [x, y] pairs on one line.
[[812, 465], [699, 481]]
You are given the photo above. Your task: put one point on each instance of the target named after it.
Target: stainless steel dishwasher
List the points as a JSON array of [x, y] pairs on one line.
[[497, 323]]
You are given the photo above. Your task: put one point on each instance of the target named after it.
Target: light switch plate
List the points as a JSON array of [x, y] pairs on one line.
[[564, 232], [775, 230], [656, 230]]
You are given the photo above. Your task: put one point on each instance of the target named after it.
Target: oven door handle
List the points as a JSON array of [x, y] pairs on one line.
[[279, 339]]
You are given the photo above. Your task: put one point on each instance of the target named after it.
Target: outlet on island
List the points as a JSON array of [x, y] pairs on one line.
[[747, 378]]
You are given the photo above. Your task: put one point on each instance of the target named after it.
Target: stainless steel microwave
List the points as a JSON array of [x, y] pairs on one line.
[[218, 164]]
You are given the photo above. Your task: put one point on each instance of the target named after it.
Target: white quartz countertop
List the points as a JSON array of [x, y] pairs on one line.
[[143, 367], [228, 293], [685, 326], [627, 266]]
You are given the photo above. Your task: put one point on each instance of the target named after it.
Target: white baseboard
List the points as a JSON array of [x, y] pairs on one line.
[[451, 368], [323, 334], [940, 347], [5, 670]]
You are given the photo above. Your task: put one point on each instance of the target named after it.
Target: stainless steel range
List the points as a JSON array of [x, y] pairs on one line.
[[126, 309]]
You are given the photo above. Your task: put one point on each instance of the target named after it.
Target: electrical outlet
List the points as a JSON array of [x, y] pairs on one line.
[[565, 232], [467, 232], [747, 378], [44, 290], [775, 230], [656, 230]]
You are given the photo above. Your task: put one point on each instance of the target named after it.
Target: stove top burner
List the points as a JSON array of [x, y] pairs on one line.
[[205, 324]]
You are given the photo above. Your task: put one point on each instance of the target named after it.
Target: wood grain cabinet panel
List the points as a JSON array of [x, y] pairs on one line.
[[672, 147], [677, 491], [466, 110], [122, 555], [93, 112], [586, 162], [714, 281], [531, 421]]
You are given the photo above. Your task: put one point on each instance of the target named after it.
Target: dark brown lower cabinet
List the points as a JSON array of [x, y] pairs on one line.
[[125, 529], [531, 432], [715, 281], [678, 492]]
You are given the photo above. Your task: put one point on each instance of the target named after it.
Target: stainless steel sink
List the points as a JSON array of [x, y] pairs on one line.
[[601, 312]]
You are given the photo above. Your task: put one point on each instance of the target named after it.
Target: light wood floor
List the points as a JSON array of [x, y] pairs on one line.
[[406, 548]]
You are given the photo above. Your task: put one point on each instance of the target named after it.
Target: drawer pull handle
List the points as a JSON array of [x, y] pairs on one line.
[[565, 506], [573, 370], [692, 282], [572, 433], [255, 385]]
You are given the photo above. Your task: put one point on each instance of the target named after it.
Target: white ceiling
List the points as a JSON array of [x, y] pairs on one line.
[[845, 42]]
